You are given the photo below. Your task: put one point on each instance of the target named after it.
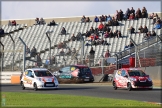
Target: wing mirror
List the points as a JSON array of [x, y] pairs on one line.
[[60, 71], [32, 76]]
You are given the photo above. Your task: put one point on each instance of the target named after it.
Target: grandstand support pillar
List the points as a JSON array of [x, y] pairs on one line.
[[117, 65], [13, 51], [102, 64], [82, 51], [24, 54], [2, 55], [47, 34]]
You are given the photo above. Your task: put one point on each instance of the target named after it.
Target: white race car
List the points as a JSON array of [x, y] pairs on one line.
[[38, 78]]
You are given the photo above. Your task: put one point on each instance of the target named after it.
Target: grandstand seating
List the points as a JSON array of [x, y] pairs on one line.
[[35, 36]]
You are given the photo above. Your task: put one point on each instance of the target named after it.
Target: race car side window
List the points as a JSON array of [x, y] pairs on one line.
[[65, 69], [123, 73], [29, 73]]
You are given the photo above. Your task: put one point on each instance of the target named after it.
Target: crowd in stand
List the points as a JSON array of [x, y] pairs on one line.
[[93, 34]]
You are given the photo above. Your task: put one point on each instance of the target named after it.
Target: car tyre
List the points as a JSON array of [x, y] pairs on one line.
[[35, 87], [129, 86], [22, 85], [150, 88], [115, 87]]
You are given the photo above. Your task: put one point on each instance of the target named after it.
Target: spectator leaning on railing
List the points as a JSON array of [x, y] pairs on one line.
[[1, 31]]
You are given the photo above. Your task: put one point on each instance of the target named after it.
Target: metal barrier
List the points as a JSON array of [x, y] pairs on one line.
[[7, 76]]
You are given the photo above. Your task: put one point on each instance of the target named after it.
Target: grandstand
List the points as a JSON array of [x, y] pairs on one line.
[[35, 35]]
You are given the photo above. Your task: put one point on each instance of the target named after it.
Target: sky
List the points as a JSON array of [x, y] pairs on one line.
[[51, 9]]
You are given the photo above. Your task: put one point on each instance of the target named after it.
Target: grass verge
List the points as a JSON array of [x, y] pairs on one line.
[[18, 99]]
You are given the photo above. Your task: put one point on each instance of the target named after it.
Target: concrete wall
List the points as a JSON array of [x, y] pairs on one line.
[[153, 72], [30, 22]]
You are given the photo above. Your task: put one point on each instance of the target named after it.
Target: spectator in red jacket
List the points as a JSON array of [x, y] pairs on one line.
[[131, 17], [100, 27], [13, 23]]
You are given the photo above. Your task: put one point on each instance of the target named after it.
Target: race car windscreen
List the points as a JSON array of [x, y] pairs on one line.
[[42, 73], [136, 73], [84, 70]]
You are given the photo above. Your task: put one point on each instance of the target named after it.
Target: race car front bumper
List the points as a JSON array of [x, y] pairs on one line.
[[47, 85]]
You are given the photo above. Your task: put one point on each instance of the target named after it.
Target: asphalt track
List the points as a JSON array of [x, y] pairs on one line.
[[104, 91]]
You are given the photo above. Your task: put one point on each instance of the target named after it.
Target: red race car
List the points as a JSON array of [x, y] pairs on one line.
[[131, 78]]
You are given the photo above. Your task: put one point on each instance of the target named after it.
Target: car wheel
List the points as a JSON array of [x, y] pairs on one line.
[[129, 86], [115, 87], [22, 85], [35, 87]]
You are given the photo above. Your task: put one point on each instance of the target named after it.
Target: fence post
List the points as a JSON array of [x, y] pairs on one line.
[[2, 56], [102, 65], [24, 55]]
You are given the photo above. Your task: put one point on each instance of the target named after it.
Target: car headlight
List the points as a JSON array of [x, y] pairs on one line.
[[133, 79], [149, 79]]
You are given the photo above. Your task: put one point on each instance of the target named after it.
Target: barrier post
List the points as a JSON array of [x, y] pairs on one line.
[[24, 55]]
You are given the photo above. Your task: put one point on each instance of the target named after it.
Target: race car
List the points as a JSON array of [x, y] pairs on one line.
[[77, 72], [131, 78], [38, 78]]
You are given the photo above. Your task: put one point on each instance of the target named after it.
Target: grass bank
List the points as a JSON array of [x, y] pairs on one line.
[[19, 99]]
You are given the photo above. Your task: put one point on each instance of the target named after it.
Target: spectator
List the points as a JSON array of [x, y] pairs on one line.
[[83, 19], [1, 31], [148, 35], [52, 23], [109, 23], [144, 12], [102, 18], [87, 34], [62, 52], [105, 42], [151, 16], [87, 19], [13, 23], [68, 51], [91, 30], [38, 60], [101, 42], [107, 55], [73, 38], [111, 34], [155, 18], [153, 33], [93, 42], [118, 34], [42, 21], [60, 45], [115, 22], [98, 42], [129, 46], [47, 63], [126, 15], [131, 30], [96, 37], [9, 23], [92, 53], [121, 15], [106, 35], [141, 29], [63, 31], [132, 11], [100, 27], [145, 29], [73, 51], [157, 25], [53, 60], [131, 17], [37, 22], [33, 52], [117, 15], [27, 50], [108, 18], [115, 33], [138, 14], [96, 19]]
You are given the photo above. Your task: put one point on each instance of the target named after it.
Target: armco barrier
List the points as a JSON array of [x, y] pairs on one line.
[[10, 77]]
